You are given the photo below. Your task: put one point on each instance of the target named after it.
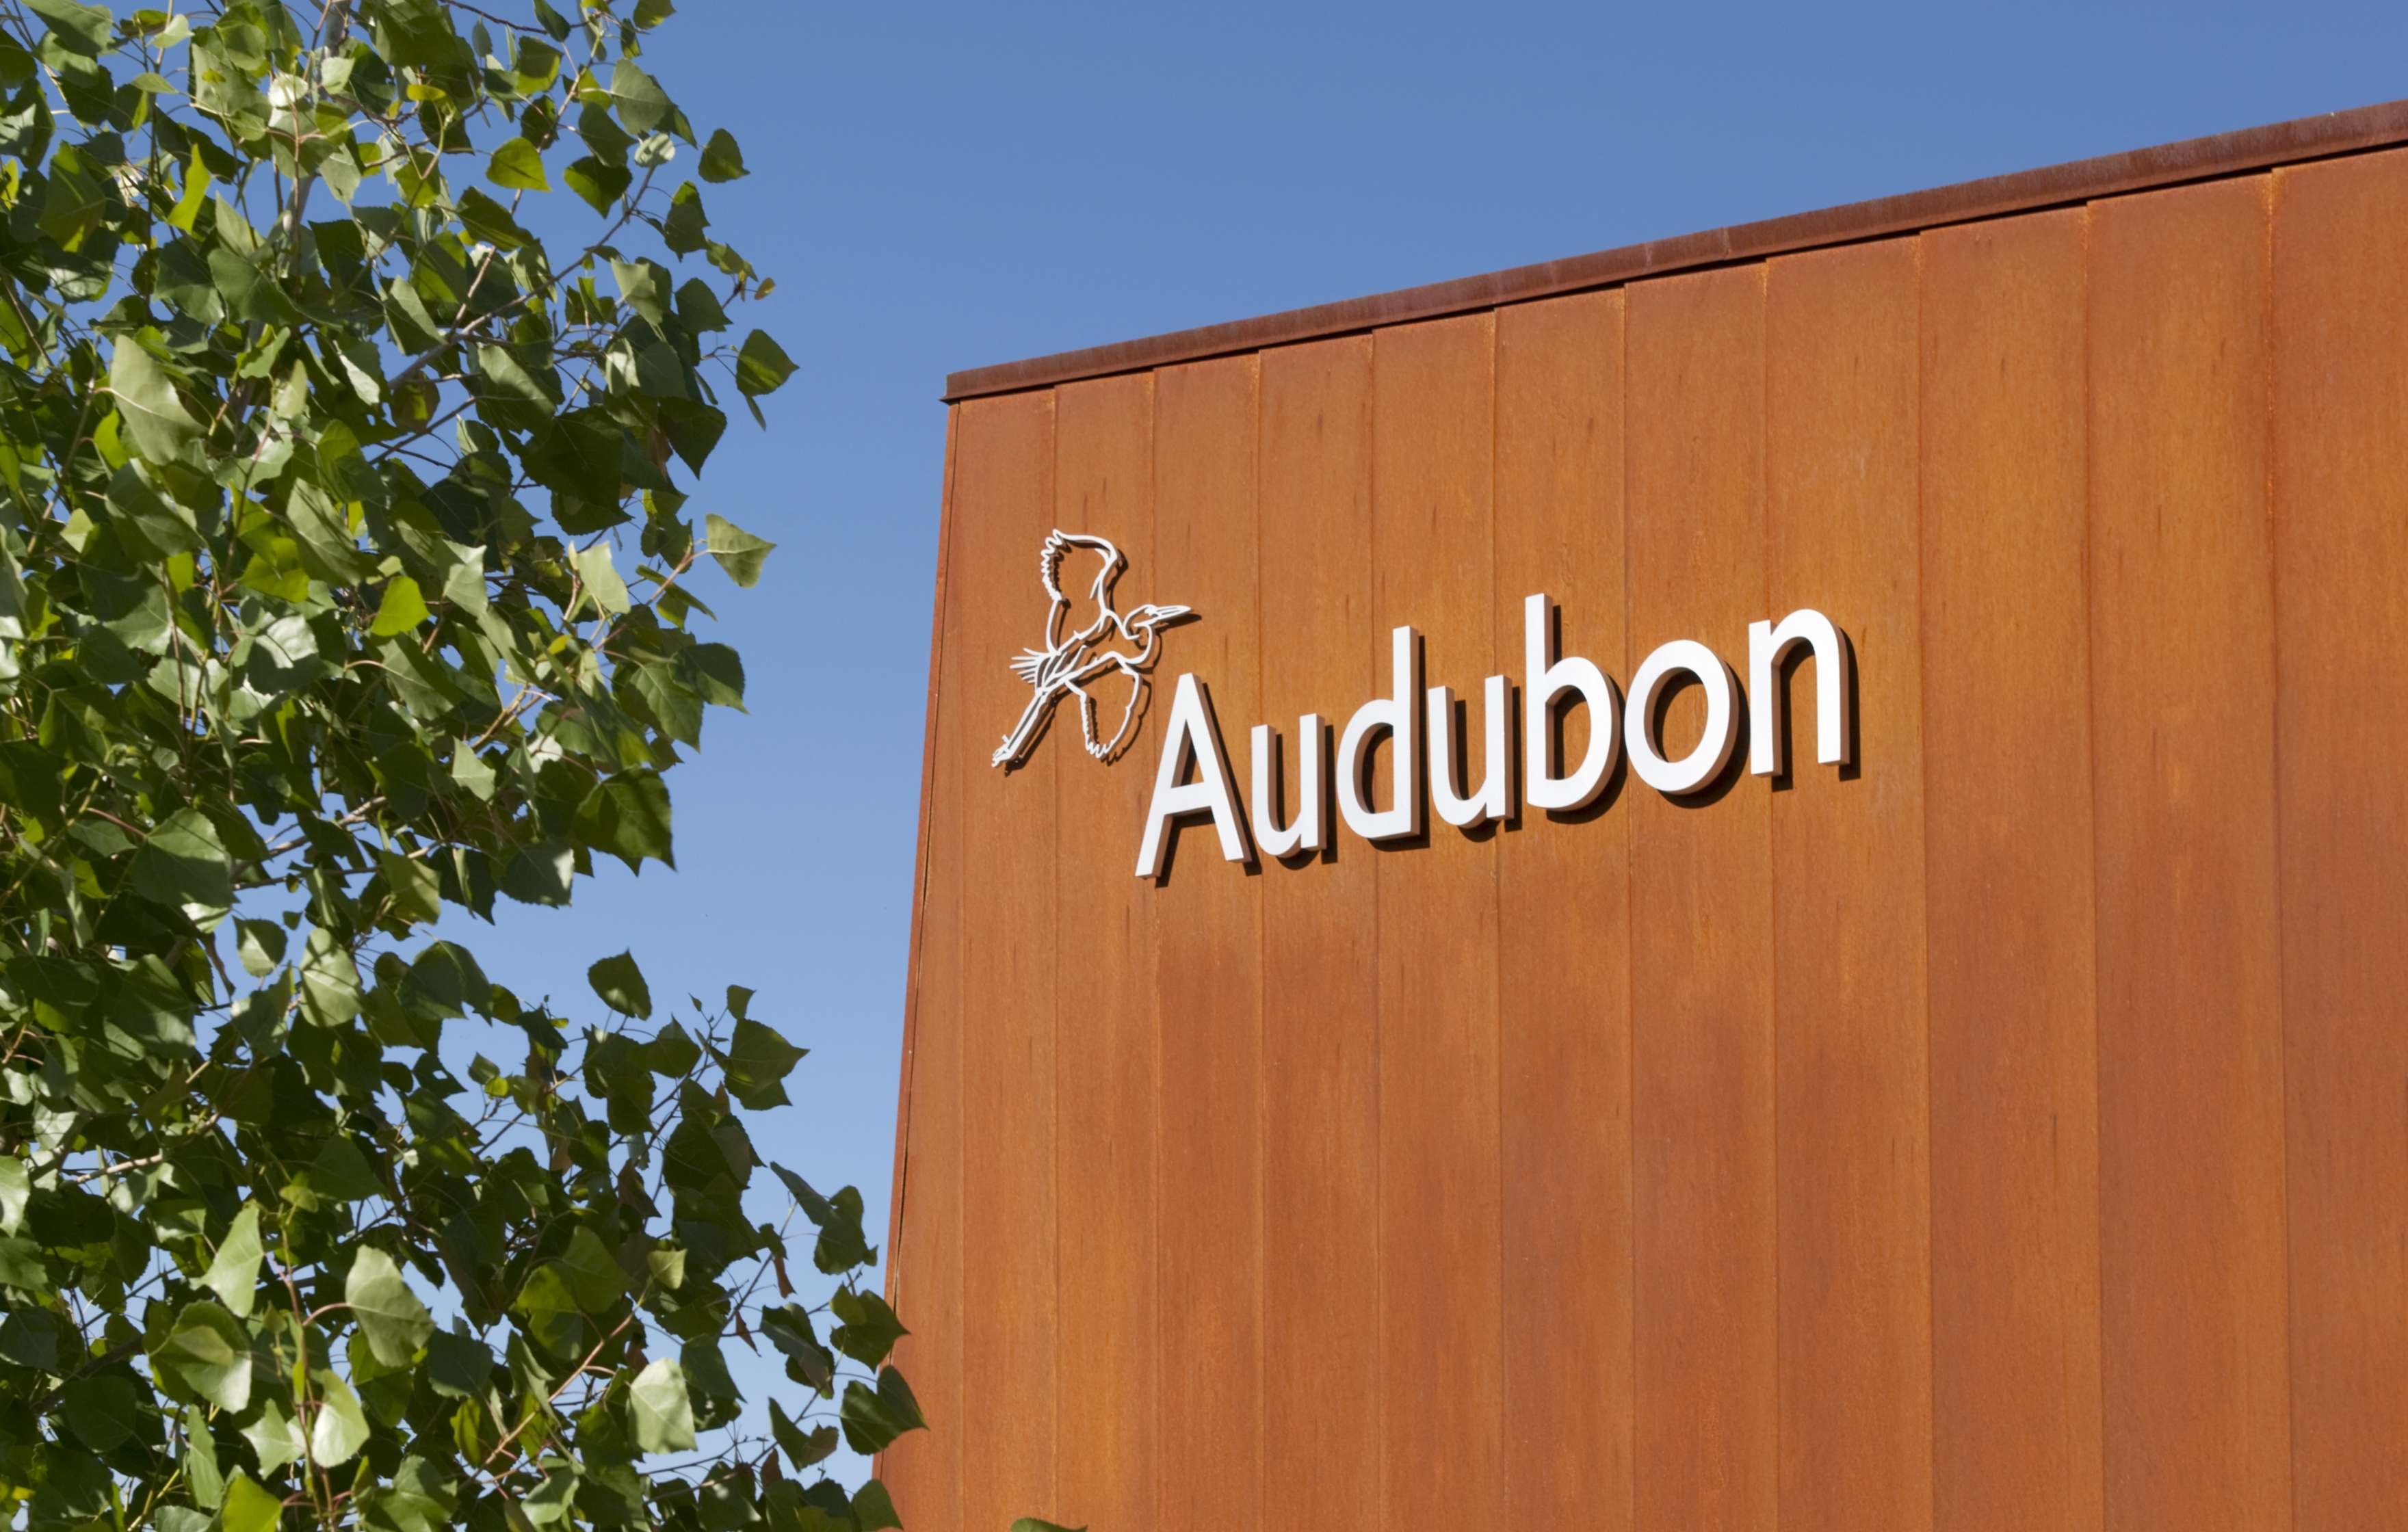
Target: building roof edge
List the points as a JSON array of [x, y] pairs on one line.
[[2024, 190]]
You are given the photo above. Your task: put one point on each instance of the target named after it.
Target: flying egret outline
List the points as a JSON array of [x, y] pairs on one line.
[[1075, 657]]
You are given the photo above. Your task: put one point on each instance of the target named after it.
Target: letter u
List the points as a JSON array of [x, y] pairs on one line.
[[1310, 830], [1494, 798]]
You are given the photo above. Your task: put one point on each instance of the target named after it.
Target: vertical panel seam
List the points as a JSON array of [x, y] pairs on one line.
[[1053, 982], [2090, 723], [1922, 893], [1923, 748], [1156, 1461], [1771, 857], [1378, 1027], [1629, 936], [1262, 1011], [2274, 819], [1497, 973]]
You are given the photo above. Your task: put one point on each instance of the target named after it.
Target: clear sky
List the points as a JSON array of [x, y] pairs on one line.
[[943, 186]]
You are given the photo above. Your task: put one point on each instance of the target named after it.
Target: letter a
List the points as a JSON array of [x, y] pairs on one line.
[[1194, 735]]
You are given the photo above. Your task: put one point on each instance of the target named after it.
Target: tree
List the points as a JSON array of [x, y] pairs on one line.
[[345, 589]]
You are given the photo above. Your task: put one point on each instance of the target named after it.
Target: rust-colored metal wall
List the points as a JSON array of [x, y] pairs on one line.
[[2009, 1133]]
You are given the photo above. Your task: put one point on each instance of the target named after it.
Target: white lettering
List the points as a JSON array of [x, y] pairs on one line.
[[1704, 762], [1495, 799], [1192, 734], [1396, 714], [1308, 831], [1834, 686], [1546, 679]]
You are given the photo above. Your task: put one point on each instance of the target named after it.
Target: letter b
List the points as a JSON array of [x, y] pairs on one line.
[[1547, 679]]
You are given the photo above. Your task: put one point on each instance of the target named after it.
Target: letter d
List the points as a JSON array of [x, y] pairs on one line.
[[1397, 713]]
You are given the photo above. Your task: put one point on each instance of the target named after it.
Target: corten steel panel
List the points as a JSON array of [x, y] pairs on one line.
[[2012, 962], [1432, 434], [1321, 982], [1853, 1110], [1003, 505], [2009, 1132], [1208, 979], [1701, 1089], [1564, 942], [1105, 1068], [2341, 544], [2193, 1309]]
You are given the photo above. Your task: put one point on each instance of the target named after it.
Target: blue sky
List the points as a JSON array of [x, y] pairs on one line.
[[943, 186]]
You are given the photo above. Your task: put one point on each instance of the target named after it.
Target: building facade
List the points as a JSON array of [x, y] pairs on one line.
[[1996, 1116]]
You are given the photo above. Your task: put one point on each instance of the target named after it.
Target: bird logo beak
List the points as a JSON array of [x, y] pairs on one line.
[[1165, 616]]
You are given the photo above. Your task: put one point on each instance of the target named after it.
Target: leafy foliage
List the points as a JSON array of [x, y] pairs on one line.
[[343, 592]]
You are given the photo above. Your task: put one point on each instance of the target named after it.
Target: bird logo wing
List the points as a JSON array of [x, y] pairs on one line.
[[1077, 620], [1059, 545]]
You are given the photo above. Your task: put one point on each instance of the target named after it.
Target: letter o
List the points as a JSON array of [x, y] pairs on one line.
[[1702, 764]]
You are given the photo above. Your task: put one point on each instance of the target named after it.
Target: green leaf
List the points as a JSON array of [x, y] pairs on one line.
[[249, 1508], [341, 1428], [274, 1437], [234, 1272], [260, 944], [471, 771], [642, 105], [628, 816], [869, 1329], [83, 30], [802, 1448], [208, 1352], [657, 1402], [154, 417], [758, 1060], [458, 1366], [592, 1272], [328, 547], [201, 1467], [155, 527], [842, 1245], [621, 984], [184, 866], [330, 981], [402, 608], [519, 166], [762, 366], [598, 182], [419, 1497], [340, 1173], [874, 1509], [874, 1417], [100, 1410], [416, 887], [15, 1188], [738, 551], [397, 1324], [602, 581], [722, 161], [536, 64]]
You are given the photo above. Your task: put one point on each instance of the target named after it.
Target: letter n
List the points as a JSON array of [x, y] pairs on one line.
[[1835, 688]]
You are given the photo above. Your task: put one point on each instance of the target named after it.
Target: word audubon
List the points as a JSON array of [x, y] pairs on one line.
[[1422, 744]]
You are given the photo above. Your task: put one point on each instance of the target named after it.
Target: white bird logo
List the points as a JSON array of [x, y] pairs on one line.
[[1086, 641]]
